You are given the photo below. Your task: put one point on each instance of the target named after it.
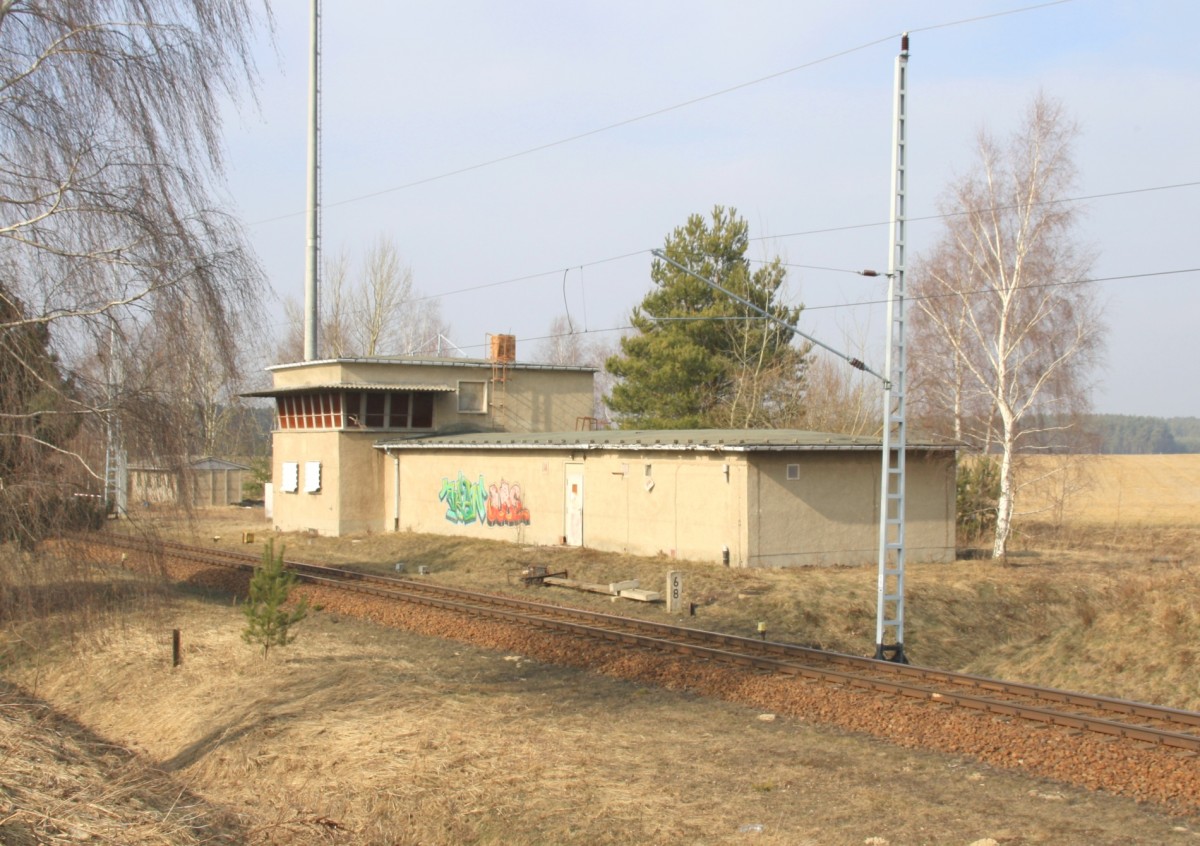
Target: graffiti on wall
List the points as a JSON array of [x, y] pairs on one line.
[[465, 500], [504, 507], [469, 502]]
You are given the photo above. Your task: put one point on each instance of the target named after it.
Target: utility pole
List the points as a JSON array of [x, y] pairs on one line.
[[889, 608], [889, 605], [312, 303]]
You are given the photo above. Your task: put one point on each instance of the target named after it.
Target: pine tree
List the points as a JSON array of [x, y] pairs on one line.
[[700, 358], [268, 620]]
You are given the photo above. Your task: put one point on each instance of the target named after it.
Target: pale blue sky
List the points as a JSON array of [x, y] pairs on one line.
[[417, 90]]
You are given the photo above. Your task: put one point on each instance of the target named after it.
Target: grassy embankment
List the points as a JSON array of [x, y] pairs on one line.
[[1100, 594]]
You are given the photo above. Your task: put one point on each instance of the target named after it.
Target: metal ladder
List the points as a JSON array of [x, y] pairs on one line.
[[889, 626]]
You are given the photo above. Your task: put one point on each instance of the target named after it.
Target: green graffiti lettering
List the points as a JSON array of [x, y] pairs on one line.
[[466, 501]]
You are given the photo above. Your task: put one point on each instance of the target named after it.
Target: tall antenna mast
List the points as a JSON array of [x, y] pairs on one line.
[[312, 303], [889, 626]]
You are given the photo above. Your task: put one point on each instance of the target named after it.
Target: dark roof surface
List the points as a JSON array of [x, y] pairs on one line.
[[669, 440]]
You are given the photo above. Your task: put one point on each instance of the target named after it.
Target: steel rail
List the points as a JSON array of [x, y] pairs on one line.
[[767, 656]]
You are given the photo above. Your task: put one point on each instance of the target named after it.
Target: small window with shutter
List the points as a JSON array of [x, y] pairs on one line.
[[291, 477], [312, 476]]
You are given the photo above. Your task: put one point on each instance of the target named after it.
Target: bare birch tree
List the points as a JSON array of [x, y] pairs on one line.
[[391, 316], [565, 346], [837, 398], [386, 289], [110, 118], [289, 339], [337, 318], [374, 311], [562, 344], [1005, 320], [184, 368]]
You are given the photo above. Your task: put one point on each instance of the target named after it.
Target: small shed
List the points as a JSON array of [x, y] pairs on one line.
[[210, 481], [746, 498]]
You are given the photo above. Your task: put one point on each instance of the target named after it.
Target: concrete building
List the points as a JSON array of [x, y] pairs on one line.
[[327, 474], [504, 450]]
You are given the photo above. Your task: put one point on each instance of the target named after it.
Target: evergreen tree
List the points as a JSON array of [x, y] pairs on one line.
[[268, 620], [39, 416], [700, 358], [1123, 434], [1186, 432], [978, 491]]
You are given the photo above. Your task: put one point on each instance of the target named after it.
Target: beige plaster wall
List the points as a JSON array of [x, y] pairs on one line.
[[676, 504], [361, 484], [352, 498], [686, 506], [447, 492], [519, 400], [830, 513], [542, 400]]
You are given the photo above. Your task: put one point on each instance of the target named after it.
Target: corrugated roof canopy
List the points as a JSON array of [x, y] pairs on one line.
[[430, 361], [348, 386]]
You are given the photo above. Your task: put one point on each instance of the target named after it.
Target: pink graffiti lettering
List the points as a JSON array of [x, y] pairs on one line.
[[504, 506]]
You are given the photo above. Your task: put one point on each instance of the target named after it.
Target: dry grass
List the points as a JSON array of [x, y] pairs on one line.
[[356, 734], [63, 782], [1112, 613], [66, 591]]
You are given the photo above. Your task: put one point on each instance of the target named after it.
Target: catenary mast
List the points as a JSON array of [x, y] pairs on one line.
[[889, 625]]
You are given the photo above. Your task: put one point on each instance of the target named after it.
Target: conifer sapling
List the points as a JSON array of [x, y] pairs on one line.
[[268, 619]]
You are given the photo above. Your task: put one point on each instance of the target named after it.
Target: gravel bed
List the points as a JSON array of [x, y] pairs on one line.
[[1165, 777]]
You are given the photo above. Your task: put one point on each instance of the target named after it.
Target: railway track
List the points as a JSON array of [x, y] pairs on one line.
[[1104, 716]]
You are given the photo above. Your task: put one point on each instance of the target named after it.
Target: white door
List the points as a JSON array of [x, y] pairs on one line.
[[574, 505]]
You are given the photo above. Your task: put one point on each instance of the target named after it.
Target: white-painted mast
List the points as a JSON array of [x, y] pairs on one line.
[[116, 465], [312, 303], [889, 626]]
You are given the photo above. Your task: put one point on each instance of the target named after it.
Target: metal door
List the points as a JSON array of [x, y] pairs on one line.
[[573, 533]]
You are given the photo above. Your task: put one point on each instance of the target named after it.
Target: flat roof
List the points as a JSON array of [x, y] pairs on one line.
[[434, 361], [666, 440]]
